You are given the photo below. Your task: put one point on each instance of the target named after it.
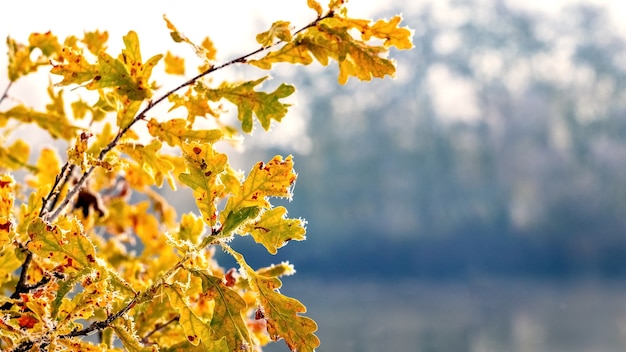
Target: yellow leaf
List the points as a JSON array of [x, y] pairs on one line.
[[355, 57], [315, 6], [9, 263], [197, 330], [364, 63], [20, 63], [7, 198], [127, 113], [174, 65], [279, 30], [128, 74], [273, 230], [227, 321], [95, 41], [94, 295], [266, 106], [75, 69], [129, 338], [57, 125], [196, 105], [277, 270], [204, 165], [281, 312], [70, 248], [389, 31], [146, 226], [77, 155], [15, 156], [206, 51], [48, 167], [176, 131], [80, 108], [148, 158], [46, 42], [139, 72], [274, 179], [191, 228], [293, 52], [331, 38], [209, 49], [283, 317]]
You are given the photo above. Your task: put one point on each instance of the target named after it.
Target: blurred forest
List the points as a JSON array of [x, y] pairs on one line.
[[499, 150]]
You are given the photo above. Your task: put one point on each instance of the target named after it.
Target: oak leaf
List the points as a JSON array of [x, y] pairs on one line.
[[197, 330], [227, 321], [174, 65], [177, 131], [280, 30], [70, 248], [273, 230], [204, 165], [265, 106]]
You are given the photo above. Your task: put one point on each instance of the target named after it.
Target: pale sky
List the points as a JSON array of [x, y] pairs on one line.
[[232, 25]]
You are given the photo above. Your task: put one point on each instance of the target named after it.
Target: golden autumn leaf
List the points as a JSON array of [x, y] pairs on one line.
[[47, 42], [273, 230], [332, 38], [315, 6], [282, 313], [280, 30], [227, 320], [204, 165], [129, 338], [148, 158], [15, 156], [209, 49], [274, 179], [265, 106], [195, 104], [206, 51], [95, 41], [128, 75], [197, 330], [7, 199], [391, 33], [176, 131], [20, 63], [70, 248], [57, 125], [174, 65], [74, 68]]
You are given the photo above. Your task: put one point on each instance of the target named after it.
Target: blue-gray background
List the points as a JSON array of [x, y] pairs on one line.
[[476, 203]]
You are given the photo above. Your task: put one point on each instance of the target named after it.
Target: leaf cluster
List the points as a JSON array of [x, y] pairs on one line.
[[87, 243]]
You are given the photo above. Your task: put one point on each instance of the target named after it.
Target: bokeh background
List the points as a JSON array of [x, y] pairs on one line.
[[475, 203]]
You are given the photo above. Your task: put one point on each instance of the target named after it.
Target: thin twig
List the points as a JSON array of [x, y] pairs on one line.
[[6, 92], [59, 182], [158, 328]]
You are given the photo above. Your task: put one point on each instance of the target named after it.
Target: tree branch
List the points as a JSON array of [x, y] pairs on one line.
[[140, 116], [51, 209]]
